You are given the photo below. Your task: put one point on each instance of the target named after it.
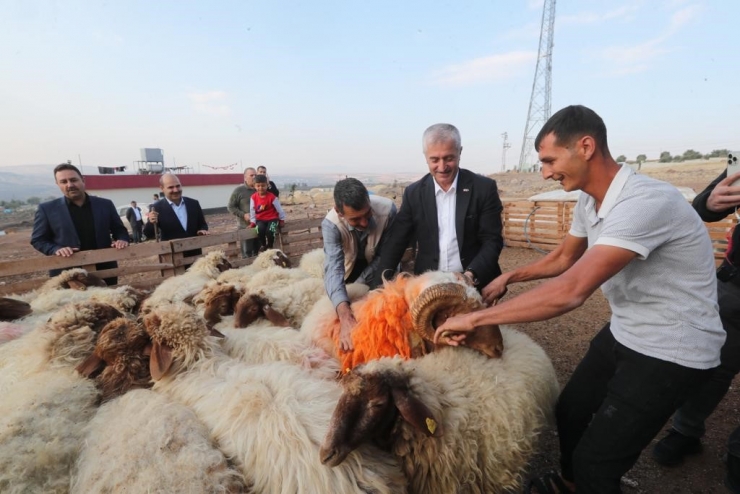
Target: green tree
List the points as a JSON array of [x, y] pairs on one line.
[[678, 158], [665, 157], [621, 158], [690, 154], [640, 158], [719, 153], [33, 200]]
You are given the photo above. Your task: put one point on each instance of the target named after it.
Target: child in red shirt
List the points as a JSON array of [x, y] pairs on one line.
[[265, 212]]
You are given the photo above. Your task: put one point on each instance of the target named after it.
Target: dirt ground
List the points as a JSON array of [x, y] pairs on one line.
[[565, 338]]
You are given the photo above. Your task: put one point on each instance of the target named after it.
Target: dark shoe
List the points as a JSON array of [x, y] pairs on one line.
[[670, 450]]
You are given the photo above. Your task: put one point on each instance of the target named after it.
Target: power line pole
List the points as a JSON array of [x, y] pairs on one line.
[[507, 145], [539, 102]]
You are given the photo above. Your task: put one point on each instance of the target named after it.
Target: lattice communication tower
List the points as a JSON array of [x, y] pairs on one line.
[[539, 101]]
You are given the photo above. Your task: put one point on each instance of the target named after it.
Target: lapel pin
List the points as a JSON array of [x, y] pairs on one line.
[[466, 190]]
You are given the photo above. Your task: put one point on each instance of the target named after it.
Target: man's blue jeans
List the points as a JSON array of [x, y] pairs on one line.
[[614, 404]]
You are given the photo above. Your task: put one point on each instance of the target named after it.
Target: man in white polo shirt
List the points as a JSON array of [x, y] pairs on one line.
[[641, 242]]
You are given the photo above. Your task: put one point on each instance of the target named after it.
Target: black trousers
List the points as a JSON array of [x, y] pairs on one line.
[[265, 233], [689, 419], [614, 404]]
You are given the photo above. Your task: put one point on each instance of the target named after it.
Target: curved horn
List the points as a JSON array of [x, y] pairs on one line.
[[443, 299]]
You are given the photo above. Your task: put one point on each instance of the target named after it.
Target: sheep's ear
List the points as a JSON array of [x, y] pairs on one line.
[[76, 285], [91, 364], [160, 360], [416, 413], [147, 352], [274, 316], [216, 333]]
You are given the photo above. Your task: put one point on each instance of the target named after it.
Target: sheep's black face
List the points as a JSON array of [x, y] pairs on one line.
[[221, 304], [247, 310], [223, 266], [281, 260], [365, 412]]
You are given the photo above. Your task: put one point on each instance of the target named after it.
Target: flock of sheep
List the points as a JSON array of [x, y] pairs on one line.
[[232, 380]]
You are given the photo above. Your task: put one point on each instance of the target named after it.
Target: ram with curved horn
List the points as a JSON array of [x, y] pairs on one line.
[[399, 319], [439, 302]]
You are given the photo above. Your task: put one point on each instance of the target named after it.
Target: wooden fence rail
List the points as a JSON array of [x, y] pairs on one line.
[[145, 265], [540, 225], [543, 225]]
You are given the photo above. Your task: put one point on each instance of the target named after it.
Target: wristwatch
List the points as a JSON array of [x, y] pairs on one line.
[[470, 275]]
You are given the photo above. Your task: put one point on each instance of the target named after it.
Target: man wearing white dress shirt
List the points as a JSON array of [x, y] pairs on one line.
[[454, 215]]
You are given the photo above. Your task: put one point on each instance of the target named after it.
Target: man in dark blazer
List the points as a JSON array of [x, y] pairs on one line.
[[176, 216], [77, 222], [454, 215], [133, 215]]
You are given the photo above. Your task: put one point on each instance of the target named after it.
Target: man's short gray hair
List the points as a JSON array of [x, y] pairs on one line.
[[441, 132]]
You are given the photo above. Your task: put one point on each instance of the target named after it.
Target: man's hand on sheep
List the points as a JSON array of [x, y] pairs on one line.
[[454, 330], [66, 251], [119, 244], [347, 323], [494, 290]]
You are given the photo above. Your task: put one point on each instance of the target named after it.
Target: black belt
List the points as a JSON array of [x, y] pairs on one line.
[[727, 272]]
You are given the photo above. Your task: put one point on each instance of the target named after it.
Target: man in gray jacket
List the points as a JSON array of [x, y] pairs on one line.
[[239, 207]]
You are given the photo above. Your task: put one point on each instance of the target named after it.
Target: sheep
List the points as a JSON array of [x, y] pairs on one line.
[[399, 319], [312, 262], [10, 331], [218, 300], [120, 352], [291, 302], [41, 430], [185, 286], [11, 309], [264, 260], [74, 279], [142, 442], [269, 418], [263, 343], [46, 404], [124, 298], [467, 423], [322, 321], [65, 340]]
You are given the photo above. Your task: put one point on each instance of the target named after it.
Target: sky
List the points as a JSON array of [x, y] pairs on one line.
[[349, 86]]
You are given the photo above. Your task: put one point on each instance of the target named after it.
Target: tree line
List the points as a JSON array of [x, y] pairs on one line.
[[689, 154]]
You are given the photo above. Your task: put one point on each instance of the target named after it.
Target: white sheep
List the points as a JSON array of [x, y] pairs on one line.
[[143, 442], [469, 422], [262, 342], [264, 260], [185, 286], [291, 302], [68, 337], [124, 298], [41, 430], [74, 279], [312, 262], [320, 320], [269, 418], [46, 402]]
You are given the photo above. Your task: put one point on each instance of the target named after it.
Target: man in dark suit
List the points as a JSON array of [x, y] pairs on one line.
[[133, 215], [77, 222], [176, 216], [454, 214]]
